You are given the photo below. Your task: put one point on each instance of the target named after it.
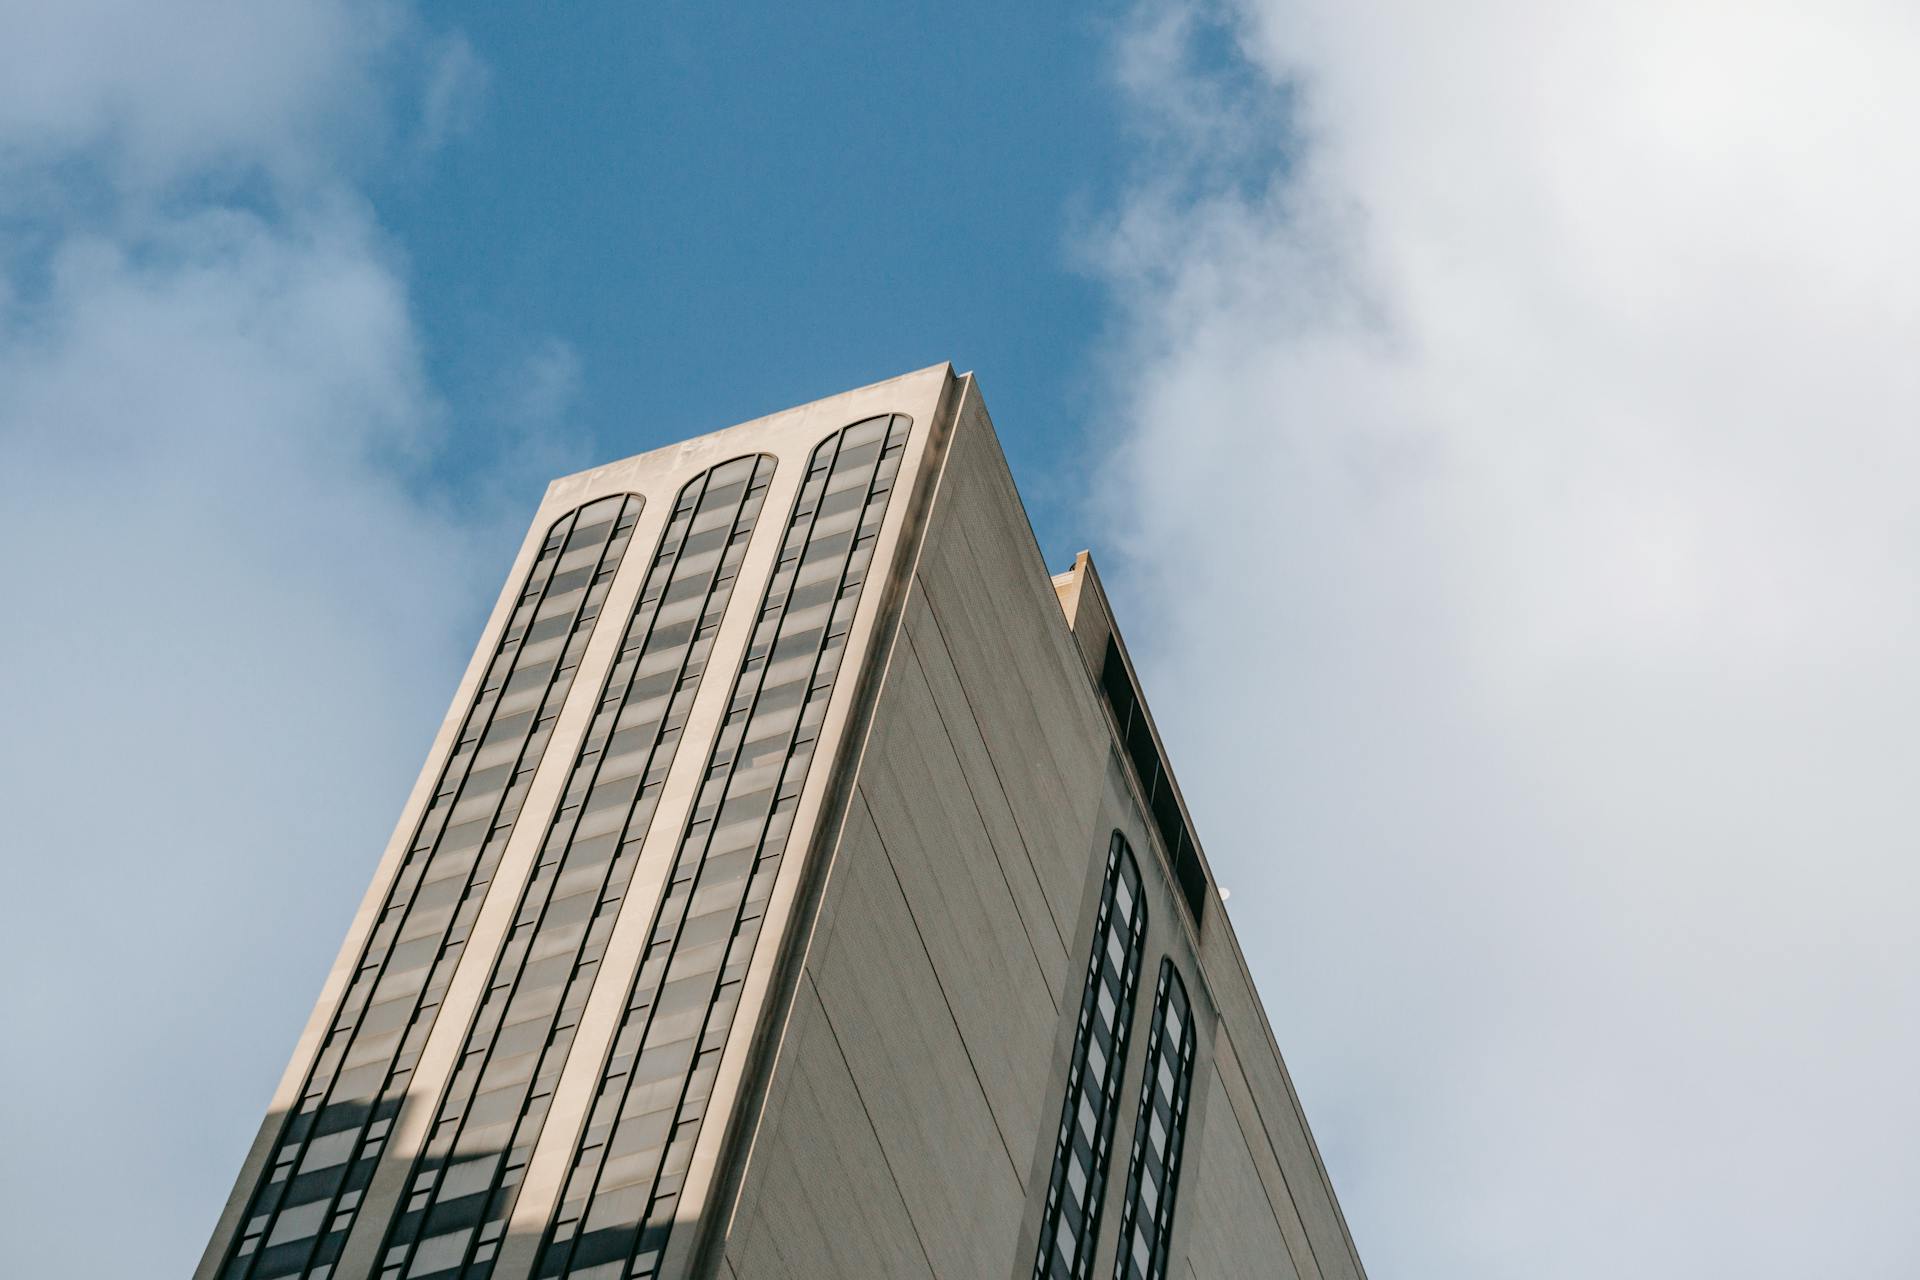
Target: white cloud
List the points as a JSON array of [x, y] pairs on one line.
[[237, 605], [158, 92], [1530, 433]]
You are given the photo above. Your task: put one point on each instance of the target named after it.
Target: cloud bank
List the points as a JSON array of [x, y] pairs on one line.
[[239, 595], [1518, 409]]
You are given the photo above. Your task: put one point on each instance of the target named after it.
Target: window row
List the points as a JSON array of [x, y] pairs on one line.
[[1070, 1219], [1153, 1166], [464, 1185], [618, 1202], [1083, 1145], [298, 1214], [1156, 780]]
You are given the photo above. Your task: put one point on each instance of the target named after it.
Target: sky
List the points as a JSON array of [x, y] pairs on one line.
[[1496, 424]]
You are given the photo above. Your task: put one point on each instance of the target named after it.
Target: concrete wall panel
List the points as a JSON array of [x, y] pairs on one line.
[[826, 1203], [910, 1064], [990, 975], [1231, 1223]]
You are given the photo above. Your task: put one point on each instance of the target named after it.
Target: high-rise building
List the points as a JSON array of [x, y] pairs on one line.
[[797, 887]]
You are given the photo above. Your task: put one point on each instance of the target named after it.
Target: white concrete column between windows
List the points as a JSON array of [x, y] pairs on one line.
[[440, 1055], [573, 1095]]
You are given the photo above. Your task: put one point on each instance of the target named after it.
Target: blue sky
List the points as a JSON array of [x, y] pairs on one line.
[[1496, 424], [723, 212]]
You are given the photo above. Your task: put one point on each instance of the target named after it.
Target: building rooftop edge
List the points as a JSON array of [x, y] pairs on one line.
[[751, 424]]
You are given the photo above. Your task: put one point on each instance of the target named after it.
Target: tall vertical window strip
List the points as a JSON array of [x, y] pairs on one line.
[[1083, 1149], [298, 1215], [617, 1204], [1153, 1168], [465, 1184]]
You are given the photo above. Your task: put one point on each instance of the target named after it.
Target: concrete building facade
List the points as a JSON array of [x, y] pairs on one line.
[[797, 887]]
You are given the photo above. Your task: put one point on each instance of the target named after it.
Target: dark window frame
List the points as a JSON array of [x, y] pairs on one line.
[[1070, 1220], [333, 1194], [726, 500], [1149, 763], [866, 454], [1156, 1100]]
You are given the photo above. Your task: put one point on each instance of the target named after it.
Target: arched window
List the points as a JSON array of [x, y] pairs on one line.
[[1083, 1148], [298, 1214], [623, 1186], [1153, 1168], [484, 1131]]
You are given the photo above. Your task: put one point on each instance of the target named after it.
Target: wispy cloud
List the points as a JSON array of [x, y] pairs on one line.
[[456, 89], [1518, 409], [151, 94]]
